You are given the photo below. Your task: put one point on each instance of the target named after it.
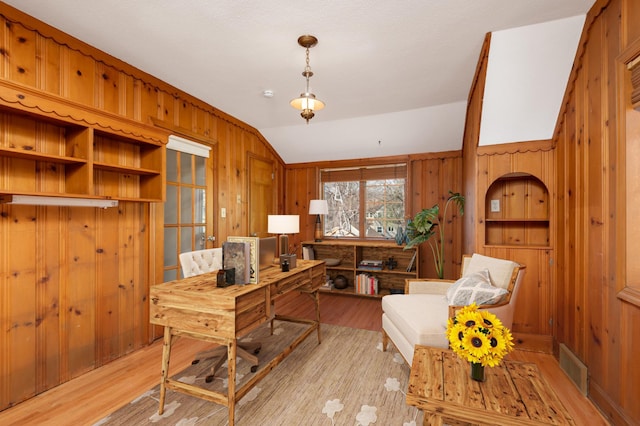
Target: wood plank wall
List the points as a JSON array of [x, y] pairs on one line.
[[431, 177], [601, 328], [592, 310], [74, 281]]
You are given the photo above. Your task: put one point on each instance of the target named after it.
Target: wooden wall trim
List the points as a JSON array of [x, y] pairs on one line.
[[43, 104], [181, 131], [357, 162], [596, 10], [516, 147], [479, 75]]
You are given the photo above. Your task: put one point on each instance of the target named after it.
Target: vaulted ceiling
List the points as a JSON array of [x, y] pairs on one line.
[[395, 75]]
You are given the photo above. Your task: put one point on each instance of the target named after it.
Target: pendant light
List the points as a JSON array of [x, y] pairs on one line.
[[307, 102]]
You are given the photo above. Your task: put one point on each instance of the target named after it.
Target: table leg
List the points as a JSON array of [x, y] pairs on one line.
[[231, 388], [166, 354], [316, 296], [431, 419]]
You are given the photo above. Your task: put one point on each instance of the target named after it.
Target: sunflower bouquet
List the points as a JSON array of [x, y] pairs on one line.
[[479, 336]]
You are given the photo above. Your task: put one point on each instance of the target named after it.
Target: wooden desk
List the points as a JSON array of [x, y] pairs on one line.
[[514, 393], [196, 308]]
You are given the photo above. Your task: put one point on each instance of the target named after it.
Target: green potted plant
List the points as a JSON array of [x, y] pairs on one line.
[[426, 224]]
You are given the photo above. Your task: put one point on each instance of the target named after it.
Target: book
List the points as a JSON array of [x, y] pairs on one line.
[[254, 255], [413, 260], [237, 255], [366, 284], [308, 253]]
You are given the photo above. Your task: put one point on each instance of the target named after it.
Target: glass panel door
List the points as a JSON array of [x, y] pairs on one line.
[[185, 219]]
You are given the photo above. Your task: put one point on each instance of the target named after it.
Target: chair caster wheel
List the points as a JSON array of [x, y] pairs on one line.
[[195, 361], [256, 351], [208, 379], [254, 368]]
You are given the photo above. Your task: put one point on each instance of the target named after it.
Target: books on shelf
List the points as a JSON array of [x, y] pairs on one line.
[[413, 261], [372, 265], [366, 284]]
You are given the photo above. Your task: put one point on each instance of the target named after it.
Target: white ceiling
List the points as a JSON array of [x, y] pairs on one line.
[[395, 75]]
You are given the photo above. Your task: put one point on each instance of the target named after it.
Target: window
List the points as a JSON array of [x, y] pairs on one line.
[[366, 202]]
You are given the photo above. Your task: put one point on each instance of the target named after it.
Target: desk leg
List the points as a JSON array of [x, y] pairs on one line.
[[316, 296], [166, 354], [231, 388], [431, 419]]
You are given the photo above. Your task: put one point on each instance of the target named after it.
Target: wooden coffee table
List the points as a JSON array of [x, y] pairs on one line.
[[514, 393]]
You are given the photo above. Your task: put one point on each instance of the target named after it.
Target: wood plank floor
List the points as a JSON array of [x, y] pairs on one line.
[[89, 398]]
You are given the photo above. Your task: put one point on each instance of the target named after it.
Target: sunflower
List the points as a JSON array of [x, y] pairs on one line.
[[479, 336], [476, 343]]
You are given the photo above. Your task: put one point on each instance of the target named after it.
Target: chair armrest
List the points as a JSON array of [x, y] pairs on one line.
[[501, 310], [427, 286]]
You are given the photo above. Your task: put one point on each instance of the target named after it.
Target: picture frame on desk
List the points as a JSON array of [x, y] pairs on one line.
[[254, 255]]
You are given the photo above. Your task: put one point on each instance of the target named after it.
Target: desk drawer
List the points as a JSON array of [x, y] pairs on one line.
[[290, 283], [318, 278]]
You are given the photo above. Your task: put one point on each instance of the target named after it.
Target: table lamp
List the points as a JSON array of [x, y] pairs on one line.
[[283, 224], [318, 207]]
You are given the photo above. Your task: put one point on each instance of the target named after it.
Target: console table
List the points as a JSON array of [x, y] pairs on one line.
[[514, 393], [194, 307]]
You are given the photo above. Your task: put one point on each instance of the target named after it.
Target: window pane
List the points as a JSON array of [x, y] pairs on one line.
[[170, 240], [200, 206], [185, 205], [200, 164], [384, 207], [172, 166], [186, 238], [171, 206], [185, 168], [343, 200]]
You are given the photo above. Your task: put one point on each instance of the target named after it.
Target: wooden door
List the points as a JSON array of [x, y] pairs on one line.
[[262, 194]]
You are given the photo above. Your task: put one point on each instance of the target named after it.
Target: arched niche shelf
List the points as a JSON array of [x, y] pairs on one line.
[[517, 211]]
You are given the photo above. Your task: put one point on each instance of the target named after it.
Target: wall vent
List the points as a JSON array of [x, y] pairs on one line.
[[574, 368]]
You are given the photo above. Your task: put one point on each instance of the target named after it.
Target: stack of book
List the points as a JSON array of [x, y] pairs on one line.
[[366, 284], [371, 265]]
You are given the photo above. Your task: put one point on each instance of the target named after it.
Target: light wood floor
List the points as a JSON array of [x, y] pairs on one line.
[[89, 398]]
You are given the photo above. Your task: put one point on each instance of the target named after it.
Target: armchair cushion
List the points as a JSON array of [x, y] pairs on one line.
[[475, 287], [501, 269]]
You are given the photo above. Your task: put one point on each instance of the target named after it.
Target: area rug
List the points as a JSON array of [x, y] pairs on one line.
[[345, 380]]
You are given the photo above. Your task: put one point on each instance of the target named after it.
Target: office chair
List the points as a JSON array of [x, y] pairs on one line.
[[208, 260]]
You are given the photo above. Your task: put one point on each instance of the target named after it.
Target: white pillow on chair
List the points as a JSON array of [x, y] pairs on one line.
[[475, 287]]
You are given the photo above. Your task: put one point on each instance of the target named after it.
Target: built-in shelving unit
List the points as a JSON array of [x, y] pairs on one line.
[[351, 253], [517, 212], [70, 150]]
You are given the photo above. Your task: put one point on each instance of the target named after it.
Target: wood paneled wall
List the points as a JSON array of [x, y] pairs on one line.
[[430, 178], [600, 327], [482, 167], [74, 281]]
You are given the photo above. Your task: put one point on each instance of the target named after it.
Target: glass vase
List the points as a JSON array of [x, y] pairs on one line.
[[477, 372]]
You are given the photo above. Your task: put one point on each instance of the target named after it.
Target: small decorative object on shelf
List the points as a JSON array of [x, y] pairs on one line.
[[480, 338]]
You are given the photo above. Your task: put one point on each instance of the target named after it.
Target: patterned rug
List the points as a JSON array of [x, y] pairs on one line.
[[345, 380]]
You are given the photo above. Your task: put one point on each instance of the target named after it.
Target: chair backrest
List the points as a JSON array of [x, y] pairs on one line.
[[506, 274], [503, 272], [200, 261]]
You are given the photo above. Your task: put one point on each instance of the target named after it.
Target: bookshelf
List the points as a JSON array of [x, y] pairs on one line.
[[351, 253], [70, 150]]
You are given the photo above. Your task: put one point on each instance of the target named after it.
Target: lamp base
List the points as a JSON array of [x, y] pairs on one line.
[[284, 244], [317, 233]]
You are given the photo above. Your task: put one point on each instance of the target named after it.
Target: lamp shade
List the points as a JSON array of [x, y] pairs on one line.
[[283, 224], [318, 207]]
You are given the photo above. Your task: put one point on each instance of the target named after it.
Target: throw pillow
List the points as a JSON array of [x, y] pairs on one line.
[[475, 287]]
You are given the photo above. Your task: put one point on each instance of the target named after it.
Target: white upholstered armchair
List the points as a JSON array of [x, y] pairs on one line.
[[419, 317]]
